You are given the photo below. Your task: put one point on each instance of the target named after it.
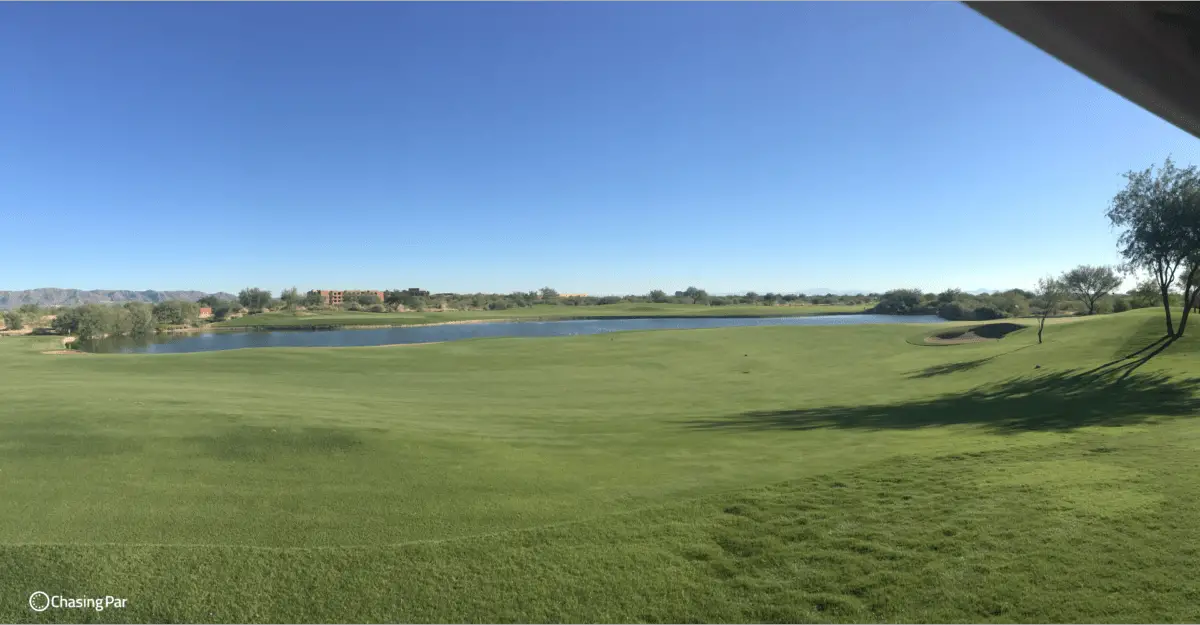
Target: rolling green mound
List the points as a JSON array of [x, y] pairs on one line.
[[744, 474]]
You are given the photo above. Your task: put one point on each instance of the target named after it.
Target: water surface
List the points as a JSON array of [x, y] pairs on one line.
[[215, 341]]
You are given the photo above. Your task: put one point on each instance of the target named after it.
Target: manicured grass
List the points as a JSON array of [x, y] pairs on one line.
[[742, 474], [344, 318]]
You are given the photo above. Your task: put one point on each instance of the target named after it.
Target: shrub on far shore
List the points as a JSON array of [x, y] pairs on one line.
[[13, 320]]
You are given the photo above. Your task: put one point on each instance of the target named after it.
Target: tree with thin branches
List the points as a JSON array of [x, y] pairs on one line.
[[1159, 214], [1048, 299]]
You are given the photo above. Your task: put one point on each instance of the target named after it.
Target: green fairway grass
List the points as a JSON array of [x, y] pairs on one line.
[[287, 319], [779, 474]]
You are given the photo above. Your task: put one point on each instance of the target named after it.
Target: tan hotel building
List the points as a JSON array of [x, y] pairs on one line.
[[335, 298]]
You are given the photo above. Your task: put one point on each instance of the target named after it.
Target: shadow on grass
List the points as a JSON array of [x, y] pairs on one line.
[[1130, 363], [948, 368], [1058, 401], [956, 367], [259, 444]]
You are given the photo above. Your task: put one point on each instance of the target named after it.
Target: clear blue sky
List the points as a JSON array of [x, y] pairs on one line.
[[591, 147]]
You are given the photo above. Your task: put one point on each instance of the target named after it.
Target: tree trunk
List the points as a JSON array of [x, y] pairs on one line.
[[1188, 295], [1166, 300], [1041, 327]]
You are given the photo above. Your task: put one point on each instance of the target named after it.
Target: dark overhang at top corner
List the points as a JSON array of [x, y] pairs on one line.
[[1148, 52]]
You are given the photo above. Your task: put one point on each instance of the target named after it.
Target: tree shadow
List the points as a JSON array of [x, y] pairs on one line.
[[948, 368], [1058, 401], [1161, 342], [956, 367], [1133, 365]]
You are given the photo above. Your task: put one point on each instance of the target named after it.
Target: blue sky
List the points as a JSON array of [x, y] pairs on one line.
[[591, 147]]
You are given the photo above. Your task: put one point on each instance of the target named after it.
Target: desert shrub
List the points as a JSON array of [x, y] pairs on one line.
[[13, 320], [176, 312], [988, 312], [952, 311], [897, 302]]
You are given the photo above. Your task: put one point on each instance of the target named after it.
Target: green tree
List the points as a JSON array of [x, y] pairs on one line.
[[548, 294], [312, 299], [95, 321], [254, 299], [1048, 300], [1144, 295], [290, 297], [897, 302], [659, 296], [1159, 214], [13, 320], [1090, 284], [120, 321], [209, 301], [88, 321], [694, 295], [949, 295], [65, 322], [222, 311], [176, 312], [141, 317]]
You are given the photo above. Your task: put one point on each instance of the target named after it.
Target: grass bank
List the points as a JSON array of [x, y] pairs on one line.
[[323, 319], [744, 474]]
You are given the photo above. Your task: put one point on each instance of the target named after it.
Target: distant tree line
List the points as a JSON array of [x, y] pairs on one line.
[[691, 295], [254, 300], [954, 304], [133, 318], [1084, 290]]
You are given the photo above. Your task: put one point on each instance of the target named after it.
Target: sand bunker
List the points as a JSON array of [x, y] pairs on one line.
[[986, 332]]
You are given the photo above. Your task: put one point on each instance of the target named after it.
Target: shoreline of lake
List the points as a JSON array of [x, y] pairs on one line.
[[359, 336], [537, 319]]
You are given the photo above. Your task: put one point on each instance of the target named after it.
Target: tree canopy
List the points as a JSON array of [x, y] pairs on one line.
[[254, 298], [1048, 300], [290, 297], [1090, 283], [1158, 213]]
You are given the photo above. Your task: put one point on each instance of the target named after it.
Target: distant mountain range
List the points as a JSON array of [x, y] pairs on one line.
[[75, 297]]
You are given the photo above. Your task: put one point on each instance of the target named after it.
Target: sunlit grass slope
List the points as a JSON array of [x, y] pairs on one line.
[[744, 474]]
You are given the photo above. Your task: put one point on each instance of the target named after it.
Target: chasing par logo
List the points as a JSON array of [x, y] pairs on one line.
[[40, 602]]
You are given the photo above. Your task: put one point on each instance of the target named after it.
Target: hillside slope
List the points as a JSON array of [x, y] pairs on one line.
[[778, 474]]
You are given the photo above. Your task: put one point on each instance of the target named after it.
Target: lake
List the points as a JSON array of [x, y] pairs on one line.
[[222, 340]]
